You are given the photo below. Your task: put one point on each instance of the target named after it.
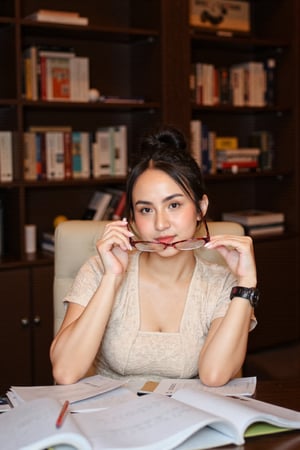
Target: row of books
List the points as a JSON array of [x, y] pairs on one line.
[[258, 222], [108, 204], [216, 154], [55, 75], [246, 84], [60, 154]]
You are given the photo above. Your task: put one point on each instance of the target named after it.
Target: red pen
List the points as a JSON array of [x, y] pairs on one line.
[[62, 414]]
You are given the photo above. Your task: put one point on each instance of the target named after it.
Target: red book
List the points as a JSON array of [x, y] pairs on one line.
[[118, 213]]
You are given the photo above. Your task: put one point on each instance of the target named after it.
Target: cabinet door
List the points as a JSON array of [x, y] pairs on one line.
[[42, 323], [278, 312], [15, 338]]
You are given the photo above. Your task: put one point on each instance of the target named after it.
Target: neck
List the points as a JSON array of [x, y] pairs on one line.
[[173, 268]]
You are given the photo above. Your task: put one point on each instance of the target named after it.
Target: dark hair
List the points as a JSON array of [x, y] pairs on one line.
[[166, 150]]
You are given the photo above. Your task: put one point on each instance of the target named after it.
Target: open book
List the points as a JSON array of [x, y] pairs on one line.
[[190, 419]]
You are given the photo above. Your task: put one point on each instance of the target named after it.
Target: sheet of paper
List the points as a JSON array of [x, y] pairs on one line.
[[85, 389], [103, 401], [237, 386]]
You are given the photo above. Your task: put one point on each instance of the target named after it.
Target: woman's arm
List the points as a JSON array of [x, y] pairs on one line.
[[76, 344], [225, 347]]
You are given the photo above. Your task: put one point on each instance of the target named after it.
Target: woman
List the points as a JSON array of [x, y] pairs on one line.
[[147, 305]]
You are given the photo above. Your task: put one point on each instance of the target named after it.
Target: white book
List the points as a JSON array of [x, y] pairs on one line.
[[102, 154], [79, 79], [249, 217], [208, 84], [120, 150], [55, 160], [29, 140], [237, 83], [196, 136], [190, 419], [6, 156]]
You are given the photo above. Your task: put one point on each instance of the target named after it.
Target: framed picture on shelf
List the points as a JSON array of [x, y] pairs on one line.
[[227, 16]]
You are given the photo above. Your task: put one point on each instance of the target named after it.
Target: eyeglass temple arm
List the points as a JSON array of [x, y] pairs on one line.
[[205, 224]]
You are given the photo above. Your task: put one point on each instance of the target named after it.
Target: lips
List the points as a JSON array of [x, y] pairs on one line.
[[165, 239]]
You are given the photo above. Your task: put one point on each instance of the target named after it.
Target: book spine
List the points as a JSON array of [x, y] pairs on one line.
[[196, 133], [29, 141], [67, 138], [120, 150], [119, 210], [6, 156]]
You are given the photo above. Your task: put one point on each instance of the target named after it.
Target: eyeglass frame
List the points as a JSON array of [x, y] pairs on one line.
[[173, 244]]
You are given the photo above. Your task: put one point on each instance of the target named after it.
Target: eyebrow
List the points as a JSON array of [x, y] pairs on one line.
[[167, 199]]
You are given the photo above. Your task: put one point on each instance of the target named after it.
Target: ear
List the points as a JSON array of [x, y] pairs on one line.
[[203, 206]]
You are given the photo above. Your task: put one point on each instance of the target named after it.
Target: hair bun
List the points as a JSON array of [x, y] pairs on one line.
[[164, 138]]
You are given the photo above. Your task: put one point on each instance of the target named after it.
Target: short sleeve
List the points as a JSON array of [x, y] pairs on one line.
[[86, 282]]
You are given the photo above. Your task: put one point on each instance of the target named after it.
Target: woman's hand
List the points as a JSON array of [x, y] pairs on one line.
[[113, 247], [238, 253]]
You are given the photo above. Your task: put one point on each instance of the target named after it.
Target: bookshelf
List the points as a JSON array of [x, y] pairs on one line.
[[144, 49], [273, 35]]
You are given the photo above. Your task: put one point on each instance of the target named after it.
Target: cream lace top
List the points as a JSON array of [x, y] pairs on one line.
[[128, 352]]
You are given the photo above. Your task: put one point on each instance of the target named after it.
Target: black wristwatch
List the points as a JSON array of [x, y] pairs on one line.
[[251, 294]]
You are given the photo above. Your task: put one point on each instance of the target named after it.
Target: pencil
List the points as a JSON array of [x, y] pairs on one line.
[[62, 414]]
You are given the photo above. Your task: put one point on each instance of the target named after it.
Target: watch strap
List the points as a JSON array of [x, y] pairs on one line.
[[251, 294]]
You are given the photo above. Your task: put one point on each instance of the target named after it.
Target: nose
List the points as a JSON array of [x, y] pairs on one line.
[[161, 220]]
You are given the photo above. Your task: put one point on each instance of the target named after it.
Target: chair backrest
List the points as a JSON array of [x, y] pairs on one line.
[[75, 242]]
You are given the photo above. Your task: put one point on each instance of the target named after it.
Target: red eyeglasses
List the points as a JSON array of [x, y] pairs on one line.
[[186, 244]]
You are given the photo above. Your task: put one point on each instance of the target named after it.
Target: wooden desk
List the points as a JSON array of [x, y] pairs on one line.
[[284, 393]]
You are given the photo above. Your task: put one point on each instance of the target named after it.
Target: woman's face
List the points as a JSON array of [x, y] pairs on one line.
[[163, 211]]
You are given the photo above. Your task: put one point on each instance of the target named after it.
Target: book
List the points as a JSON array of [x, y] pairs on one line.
[[81, 154], [250, 217], [102, 150], [79, 79], [97, 206], [48, 241], [47, 15], [120, 207], [6, 156], [117, 195], [29, 141], [262, 230], [119, 150], [196, 133], [55, 157], [189, 419], [57, 78]]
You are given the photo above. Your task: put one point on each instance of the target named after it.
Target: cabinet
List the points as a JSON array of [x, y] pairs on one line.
[[26, 324], [145, 49]]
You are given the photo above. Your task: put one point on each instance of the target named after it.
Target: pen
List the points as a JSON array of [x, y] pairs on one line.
[[62, 414]]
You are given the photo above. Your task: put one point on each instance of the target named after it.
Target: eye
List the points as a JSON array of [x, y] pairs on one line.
[[145, 210], [174, 205]]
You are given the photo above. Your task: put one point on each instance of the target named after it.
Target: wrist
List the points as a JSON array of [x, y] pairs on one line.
[[247, 282]]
